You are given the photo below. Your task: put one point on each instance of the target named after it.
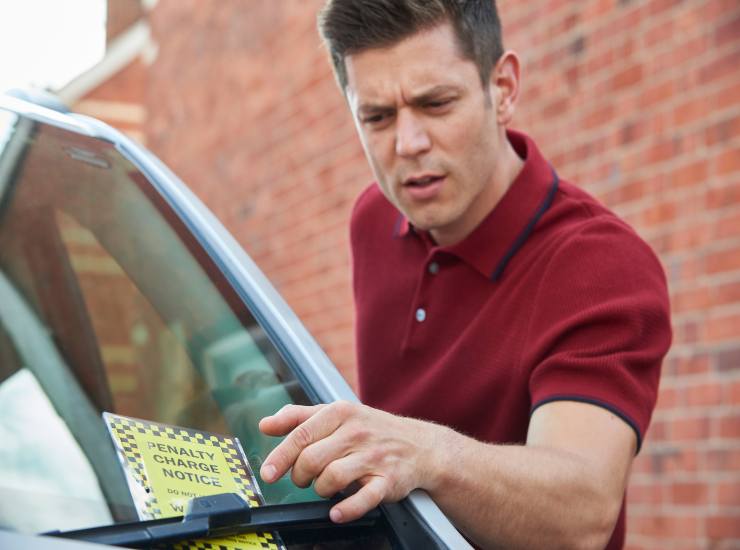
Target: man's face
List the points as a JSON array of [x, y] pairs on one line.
[[429, 131]]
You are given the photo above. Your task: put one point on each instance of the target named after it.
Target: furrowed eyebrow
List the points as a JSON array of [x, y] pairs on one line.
[[373, 110], [434, 93]]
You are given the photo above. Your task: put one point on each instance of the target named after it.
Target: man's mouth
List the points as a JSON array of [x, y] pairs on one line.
[[423, 187], [422, 181]]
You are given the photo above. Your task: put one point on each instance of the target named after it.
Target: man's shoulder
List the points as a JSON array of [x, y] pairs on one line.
[[575, 211], [581, 231]]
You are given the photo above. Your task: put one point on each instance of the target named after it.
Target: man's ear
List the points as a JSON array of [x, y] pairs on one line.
[[505, 79]]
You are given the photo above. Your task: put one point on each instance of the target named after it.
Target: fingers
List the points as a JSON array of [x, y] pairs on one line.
[[355, 506], [313, 461], [339, 474], [335, 445], [306, 425], [287, 418]]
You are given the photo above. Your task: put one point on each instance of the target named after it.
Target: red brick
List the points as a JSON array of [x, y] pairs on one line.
[[598, 117], [593, 10], [689, 111], [724, 260], [727, 226], [661, 151], [732, 393], [727, 96], [665, 525], [667, 398], [634, 190], [728, 360], [659, 33], [695, 299], [688, 331], [674, 458], [723, 328], [696, 363], [642, 463], [626, 77], [723, 460], [689, 175], [657, 94], [722, 527], [721, 67], [684, 461], [723, 196], [650, 493], [728, 493], [728, 32], [689, 429], [728, 161], [702, 395], [729, 426], [689, 493], [723, 131], [659, 213]]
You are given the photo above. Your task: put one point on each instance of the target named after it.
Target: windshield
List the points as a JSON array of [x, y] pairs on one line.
[[108, 304]]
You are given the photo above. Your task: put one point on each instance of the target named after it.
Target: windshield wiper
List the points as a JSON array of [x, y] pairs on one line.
[[219, 515]]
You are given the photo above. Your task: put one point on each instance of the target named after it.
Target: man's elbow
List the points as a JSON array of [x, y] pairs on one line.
[[597, 528]]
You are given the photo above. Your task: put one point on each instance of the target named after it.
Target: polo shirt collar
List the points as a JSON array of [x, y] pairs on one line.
[[506, 228]]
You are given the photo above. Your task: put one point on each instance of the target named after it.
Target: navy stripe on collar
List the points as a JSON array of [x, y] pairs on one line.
[[397, 226], [520, 240]]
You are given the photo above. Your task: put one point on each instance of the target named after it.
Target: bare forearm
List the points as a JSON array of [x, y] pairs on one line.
[[562, 490], [521, 496]]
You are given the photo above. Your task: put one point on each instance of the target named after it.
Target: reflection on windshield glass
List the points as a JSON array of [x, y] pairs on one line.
[[133, 319], [42, 464], [39, 454], [8, 152]]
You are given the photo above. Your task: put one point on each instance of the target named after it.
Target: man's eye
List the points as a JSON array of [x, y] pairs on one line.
[[376, 119], [438, 104]]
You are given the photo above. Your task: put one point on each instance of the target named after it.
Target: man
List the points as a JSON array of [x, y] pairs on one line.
[[510, 329]]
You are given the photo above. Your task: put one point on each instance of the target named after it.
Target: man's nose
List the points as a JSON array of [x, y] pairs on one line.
[[412, 138]]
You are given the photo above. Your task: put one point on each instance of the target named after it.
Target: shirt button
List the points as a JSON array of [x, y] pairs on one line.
[[421, 314], [433, 268]]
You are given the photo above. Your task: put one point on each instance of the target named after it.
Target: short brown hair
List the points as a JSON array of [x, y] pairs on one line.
[[351, 26]]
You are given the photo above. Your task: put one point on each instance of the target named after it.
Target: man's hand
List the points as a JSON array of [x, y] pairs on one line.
[[341, 443], [563, 489]]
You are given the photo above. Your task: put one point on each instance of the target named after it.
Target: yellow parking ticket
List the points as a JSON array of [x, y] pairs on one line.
[[165, 466]]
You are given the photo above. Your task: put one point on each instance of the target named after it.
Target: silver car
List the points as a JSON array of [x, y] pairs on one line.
[[120, 292]]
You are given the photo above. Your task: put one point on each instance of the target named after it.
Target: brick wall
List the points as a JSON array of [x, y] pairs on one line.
[[638, 101], [119, 101], [120, 15], [243, 106]]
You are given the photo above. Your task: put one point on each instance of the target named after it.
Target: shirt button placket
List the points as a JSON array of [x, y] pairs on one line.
[[421, 313]]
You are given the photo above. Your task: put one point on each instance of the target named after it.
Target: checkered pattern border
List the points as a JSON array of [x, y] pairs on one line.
[[124, 429], [265, 540]]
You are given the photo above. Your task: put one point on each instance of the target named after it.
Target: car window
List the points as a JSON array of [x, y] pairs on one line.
[[107, 303]]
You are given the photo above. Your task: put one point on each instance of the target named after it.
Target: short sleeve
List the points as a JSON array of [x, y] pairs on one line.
[[601, 324]]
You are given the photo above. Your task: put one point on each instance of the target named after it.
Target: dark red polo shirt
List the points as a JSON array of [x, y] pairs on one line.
[[551, 297]]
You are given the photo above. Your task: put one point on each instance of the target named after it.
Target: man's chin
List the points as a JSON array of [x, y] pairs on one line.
[[424, 224]]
